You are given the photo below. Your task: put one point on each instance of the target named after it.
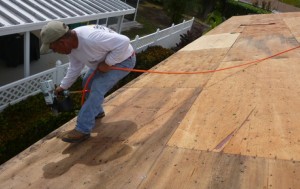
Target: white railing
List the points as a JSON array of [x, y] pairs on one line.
[[166, 38], [19, 90]]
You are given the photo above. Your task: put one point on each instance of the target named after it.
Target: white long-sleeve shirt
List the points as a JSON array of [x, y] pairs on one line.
[[95, 44]]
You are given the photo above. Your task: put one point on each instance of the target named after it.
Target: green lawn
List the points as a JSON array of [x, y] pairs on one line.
[[295, 3], [148, 28], [151, 16]]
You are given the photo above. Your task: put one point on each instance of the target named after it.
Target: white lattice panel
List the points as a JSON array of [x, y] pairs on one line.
[[19, 90]]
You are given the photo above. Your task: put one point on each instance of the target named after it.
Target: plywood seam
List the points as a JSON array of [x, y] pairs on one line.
[[165, 146]]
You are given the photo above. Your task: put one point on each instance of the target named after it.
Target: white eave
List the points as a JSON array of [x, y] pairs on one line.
[[17, 16]]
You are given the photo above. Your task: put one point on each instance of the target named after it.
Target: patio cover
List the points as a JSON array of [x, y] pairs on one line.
[[17, 16], [24, 16]]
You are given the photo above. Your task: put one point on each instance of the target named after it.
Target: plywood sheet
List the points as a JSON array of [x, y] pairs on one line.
[[189, 169], [224, 40], [251, 111], [294, 25], [232, 25], [235, 128], [122, 149], [184, 61], [257, 47]]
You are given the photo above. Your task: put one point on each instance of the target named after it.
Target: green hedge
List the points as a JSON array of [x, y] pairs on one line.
[[145, 60], [25, 123]]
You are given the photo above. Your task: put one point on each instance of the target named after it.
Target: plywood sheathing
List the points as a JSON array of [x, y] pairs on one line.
[[183, 61], [225, 40], [249, 110], [236, 128], [232, 25], [294, 25], [257, 42], [202, 169], [140, 120], [267, 113], [119, 154]]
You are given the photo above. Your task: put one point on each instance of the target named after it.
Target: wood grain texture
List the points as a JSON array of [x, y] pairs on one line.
[[190, 169], [269, 131], [224, 40], [294, 25], [237, 128]]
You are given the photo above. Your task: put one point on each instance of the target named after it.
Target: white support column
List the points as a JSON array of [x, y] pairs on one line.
[[135, 43], [119, 24], [59, 74], [136, 9], [26, 54], [106, 22], [156, 36]]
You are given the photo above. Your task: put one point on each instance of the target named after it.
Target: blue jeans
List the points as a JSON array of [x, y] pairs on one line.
[[99, 85]]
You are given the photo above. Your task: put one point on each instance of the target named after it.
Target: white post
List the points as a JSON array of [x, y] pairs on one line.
[[136, 9], [106, 22], [135, 43], [26, 54], [156, 36], [59, 73], [119, 24], [173, 38]]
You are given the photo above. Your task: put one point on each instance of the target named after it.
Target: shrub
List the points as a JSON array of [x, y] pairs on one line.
[[214, 19], [186, 38], [26, 122], [144, 61], [153, 55]]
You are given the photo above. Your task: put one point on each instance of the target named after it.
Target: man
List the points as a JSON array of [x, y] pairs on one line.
[[98, 48]]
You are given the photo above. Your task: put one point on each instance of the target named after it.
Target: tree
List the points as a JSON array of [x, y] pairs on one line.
[[175, 9], [193, 7]]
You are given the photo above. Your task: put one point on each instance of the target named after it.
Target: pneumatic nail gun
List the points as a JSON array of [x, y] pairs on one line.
[[60, 102]]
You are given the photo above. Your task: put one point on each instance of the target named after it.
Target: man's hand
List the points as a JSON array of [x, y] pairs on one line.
[[103, 67], [58, 90]]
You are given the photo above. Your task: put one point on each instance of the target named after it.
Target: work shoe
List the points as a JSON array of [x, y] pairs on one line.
[[100, 115], [74, 136]]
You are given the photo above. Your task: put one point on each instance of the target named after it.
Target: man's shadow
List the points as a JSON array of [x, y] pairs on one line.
[[108, 145]]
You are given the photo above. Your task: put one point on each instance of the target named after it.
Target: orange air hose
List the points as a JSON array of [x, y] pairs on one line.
[[174, 72], [203, 72]]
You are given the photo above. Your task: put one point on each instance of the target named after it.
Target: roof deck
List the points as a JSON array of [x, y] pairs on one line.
[[237, 127]]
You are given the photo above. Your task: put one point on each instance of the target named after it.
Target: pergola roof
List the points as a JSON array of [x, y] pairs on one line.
[[18, 16]]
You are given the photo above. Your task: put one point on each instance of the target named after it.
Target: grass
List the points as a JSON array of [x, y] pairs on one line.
[[152, 17], [147, 28], [295, 3]]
